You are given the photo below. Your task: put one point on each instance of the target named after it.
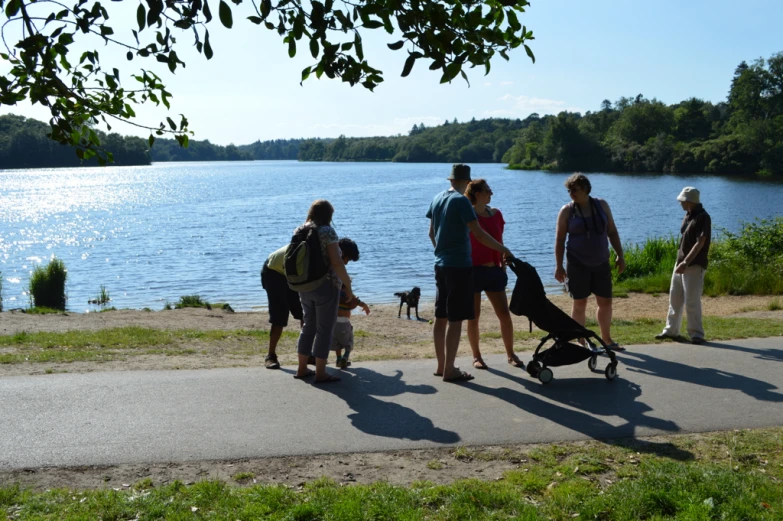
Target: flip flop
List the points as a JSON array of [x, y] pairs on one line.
[[463, 377], [478, 363], [329, 379], [437, 374], [517, 363], [614, 346], [308, 374]]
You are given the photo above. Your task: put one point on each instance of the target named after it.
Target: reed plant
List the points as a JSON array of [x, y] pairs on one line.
[[192, 301], [47, 285]]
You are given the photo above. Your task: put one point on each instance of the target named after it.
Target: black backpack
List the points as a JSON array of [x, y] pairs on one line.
[[305, 267], [529, 294]]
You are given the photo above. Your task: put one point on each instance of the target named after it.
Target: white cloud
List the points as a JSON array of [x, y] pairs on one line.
[[506, 83], [524, 105], [487, 83]]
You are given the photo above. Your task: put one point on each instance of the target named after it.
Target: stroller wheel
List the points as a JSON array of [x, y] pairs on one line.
[[533, 368], [592, 362], [610, 372], [545, 375]]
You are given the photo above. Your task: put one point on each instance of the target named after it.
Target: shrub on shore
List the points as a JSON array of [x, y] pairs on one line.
[[749, 262], [47, 285]]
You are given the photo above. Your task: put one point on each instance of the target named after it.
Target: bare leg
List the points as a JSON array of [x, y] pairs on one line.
[[473, 327], [453, 333], [439, 338], [320, 369], [302, 369], [499, 303], [578, 310], [604, 317], [275, 332]]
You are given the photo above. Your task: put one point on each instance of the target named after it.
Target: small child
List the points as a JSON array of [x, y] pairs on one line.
[[342, 338]]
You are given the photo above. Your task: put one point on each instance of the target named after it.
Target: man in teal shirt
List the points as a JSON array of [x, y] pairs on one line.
[[452, 219]]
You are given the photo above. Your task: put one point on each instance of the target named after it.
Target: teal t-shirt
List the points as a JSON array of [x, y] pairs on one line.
[[451, 212]]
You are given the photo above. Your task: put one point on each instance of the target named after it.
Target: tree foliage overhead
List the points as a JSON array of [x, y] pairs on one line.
[[451, 35]]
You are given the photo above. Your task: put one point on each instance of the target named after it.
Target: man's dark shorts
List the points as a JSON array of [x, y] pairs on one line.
[[280, 298], [489, 278], [584, 280], [454, 293]]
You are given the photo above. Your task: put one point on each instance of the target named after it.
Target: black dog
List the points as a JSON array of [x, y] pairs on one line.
[[411, 299]]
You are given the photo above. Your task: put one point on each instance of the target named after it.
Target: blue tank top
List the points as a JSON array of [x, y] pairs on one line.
[[588, 242]]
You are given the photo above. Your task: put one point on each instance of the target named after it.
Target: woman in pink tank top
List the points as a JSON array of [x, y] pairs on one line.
[[489, 274]]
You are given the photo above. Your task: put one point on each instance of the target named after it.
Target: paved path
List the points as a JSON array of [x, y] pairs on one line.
[[160, 416]]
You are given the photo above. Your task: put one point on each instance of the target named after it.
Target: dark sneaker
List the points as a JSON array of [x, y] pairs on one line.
[[270, 362], [341, 363], [697, 340]]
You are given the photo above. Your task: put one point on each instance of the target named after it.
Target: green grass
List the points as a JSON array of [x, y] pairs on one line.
[[192, 301], [774, 305], [47, 285], [719, 476]]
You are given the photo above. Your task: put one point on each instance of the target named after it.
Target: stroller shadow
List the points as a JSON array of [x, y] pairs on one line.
[[706, 377], [772, 355], [359, 389], [618, 398]]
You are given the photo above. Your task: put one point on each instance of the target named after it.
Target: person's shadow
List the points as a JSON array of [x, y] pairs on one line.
[[594, 396], [772, 355], [360, 387], [707, 377]]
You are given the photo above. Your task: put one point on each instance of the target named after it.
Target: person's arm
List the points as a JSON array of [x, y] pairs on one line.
[[700, 242], [614, 237], [560, 237], [486, 239], [364, 307], [432, 233], [339, 267]]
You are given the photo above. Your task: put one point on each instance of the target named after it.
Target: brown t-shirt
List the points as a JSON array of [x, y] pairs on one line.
[[696, 223]]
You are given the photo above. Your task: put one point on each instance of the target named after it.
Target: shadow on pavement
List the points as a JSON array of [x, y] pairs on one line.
[[772, 355], [360, 387], [596, 397], [706, 377]]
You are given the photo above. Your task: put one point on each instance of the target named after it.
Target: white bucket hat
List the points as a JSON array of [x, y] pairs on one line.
[[689, 194]]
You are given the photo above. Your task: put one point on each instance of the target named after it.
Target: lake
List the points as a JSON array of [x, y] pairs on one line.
[[152, 234]]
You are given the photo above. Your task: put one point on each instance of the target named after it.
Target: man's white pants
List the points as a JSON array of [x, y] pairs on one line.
[[685, 292]]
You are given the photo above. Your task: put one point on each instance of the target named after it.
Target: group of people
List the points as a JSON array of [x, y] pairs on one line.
[[470, 259]]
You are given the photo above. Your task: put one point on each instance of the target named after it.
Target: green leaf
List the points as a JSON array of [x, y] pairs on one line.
[[129, 56], [373, 24], [314, 49], [291, 47], [408, 65], [225, 15], [207, 12], [396, 46], [12, 8], [530, 53], [207, 47], [141, 16], [151, 140], [513, 21], [171, 123], [255, 19], [305, 74]]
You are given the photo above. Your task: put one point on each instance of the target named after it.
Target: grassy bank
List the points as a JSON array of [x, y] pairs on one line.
[[727, 476], [242, 344], [749, 262]]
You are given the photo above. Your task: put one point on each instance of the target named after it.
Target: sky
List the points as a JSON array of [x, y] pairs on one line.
[[585, 52]]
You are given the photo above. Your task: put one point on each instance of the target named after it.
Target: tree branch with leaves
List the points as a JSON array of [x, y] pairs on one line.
[[80, 92]]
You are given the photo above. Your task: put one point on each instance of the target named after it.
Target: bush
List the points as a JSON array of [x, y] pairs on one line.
[[192, 301], [47, 285]]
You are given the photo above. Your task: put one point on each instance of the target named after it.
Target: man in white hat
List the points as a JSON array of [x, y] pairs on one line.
[[688, 277]]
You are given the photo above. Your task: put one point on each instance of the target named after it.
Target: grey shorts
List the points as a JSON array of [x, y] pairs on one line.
[[584, 280], [342, 338]]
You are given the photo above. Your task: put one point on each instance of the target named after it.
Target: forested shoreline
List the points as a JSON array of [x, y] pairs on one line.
[[742, 135]]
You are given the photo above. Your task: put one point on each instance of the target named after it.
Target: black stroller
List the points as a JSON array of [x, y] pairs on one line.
[[529, 299]]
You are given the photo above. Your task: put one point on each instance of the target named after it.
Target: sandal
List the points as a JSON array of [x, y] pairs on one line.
[[614, 346], [463, 377], [437, 374], [478, 363], [308, 374], [516, 362], [329, 379], [270, 362]]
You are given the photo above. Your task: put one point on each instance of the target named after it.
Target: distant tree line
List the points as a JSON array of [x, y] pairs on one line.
[[24, 144], [744, 134], [477, 141]]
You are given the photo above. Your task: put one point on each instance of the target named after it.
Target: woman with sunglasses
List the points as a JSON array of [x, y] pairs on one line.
[[585, 227], [489, 274]]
